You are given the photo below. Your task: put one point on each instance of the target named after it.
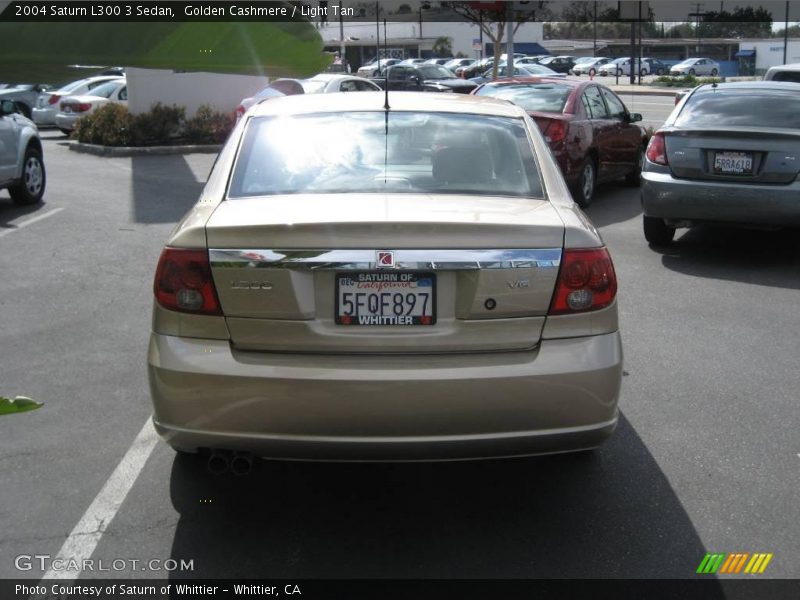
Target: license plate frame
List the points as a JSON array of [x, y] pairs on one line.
[[733, 155], [383, 285]]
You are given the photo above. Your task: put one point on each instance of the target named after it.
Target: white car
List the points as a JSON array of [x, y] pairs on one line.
[[590, 67], [325, 83], [21, 164], [622, 66], [44, 113], [696, 66], [789, 72], [73, 108]]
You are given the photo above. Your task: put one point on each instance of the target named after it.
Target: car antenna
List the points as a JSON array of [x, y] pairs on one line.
[[385, 110], [386, 78]]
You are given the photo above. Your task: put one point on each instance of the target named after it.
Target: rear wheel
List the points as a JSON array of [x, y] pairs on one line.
[[592, 72], [657, 232], [584, 188], [30, 188], [643, 72]]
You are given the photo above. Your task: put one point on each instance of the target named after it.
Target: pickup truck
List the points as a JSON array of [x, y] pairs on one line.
[[423, 78]]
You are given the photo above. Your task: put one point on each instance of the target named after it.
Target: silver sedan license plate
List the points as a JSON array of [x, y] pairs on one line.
[[733, 163], [385, 298]]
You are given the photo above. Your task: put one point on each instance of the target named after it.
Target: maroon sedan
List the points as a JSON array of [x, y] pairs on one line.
[[590, 131]]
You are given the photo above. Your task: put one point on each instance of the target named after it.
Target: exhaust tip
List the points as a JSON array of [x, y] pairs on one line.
[[218, 463], [241, 463]]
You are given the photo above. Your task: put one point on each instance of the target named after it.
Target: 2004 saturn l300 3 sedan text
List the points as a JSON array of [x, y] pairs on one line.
[[359, 282]]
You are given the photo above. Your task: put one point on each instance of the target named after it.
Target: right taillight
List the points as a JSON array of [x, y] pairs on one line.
[[184, 283], [586, 281], [657, 150], [54, 99]]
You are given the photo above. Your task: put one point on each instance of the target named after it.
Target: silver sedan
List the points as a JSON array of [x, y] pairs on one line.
[[728, 153]]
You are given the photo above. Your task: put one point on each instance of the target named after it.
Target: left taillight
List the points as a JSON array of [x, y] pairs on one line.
[[184, 283], [556, 131], [586, 281]]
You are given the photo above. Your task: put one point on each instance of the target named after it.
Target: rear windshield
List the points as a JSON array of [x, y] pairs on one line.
[[792, 76], [741, 108], [370, 152], [539, 97]]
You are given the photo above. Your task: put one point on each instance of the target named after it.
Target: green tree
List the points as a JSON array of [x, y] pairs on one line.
[[443, 46], [491, 18]]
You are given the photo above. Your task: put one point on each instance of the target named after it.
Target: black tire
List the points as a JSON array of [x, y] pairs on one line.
[[620, 73], [660, 72], [643, 72], [714, 72], [592, 72], [657, 232], [30, 188], [692, 72], [633, 178], [584, 187], [65, 131]]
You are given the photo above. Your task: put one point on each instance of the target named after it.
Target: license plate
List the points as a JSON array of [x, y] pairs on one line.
[[385, 298], [733, 163]]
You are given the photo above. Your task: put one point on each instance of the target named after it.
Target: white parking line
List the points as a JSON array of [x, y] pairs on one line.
[[82, 541], [30, 221]]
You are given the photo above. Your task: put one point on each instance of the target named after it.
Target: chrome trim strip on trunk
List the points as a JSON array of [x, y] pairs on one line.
[[343, 260]]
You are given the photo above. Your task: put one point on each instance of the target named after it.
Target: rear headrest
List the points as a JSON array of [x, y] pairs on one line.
[[461, 165]]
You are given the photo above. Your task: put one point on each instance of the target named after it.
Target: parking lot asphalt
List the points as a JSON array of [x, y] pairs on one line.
[[705, 458]]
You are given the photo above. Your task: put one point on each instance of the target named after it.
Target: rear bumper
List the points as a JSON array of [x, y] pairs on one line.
[[558, 398], [64, 121], [44, 116], [667, 197]]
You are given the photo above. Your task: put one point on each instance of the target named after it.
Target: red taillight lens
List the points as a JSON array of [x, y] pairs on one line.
[[586, 281], [556, 131], [240, 110], [83, 107], [657, 150], [54, 99], [184, 283]]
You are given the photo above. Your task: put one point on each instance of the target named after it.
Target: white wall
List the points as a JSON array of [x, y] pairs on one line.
[[770, 54], [461, 33], [192, 90]]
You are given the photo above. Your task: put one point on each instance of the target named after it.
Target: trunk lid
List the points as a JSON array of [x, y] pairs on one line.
[[745, 155], [278, 262]]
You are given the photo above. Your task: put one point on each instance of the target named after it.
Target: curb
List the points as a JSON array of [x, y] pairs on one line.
[[119, 152]]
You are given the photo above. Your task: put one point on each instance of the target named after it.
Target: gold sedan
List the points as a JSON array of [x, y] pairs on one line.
[[371, 281]]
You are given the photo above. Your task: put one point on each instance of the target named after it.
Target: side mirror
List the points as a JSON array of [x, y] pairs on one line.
[[634, 117]]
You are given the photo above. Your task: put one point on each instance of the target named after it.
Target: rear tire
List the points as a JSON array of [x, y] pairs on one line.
[[643, 72], [30, 188], [583, 190], [657, 232], [592, 72]]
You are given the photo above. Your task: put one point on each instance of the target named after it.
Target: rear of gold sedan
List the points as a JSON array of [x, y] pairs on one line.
[[363, 283]]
